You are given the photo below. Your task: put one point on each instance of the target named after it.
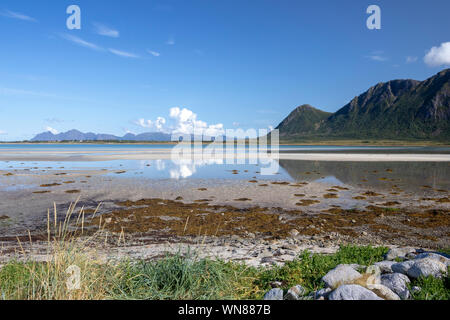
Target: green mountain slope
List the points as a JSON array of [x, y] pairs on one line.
[[398, 109], [304, 120]]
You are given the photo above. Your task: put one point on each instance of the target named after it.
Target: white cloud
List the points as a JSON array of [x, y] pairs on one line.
[[50, 129], [81, 42], [158, 124], [377, 58], [103, 30], [438, 56], [17, 15], [93, 46], [410, 59], [183, 121], [123, 53], [183, 171], [154, 53], [186, 122], [2, 133], [186, 167]]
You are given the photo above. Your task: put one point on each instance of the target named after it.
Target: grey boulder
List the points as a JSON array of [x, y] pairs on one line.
[[397, 282], [383, 292], [402, 267], [385, 266], [398, 253], [435, 256], [427, 267], [352, 292], [342, 274], [321, 294], [274, 294]]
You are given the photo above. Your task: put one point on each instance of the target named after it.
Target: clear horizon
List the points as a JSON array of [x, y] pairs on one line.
[[163, 66]]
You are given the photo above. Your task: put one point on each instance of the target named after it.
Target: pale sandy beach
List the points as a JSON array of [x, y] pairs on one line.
[[165, 154]]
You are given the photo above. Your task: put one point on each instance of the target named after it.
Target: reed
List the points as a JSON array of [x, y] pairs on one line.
[[47, 278]]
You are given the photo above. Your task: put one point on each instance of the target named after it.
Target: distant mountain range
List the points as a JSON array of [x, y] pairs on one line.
[[75, 135], [398, 109]]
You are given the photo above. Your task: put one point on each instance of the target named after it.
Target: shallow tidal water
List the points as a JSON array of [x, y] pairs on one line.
[[408, 176]]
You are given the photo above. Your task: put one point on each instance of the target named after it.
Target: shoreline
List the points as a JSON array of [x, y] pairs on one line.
[[335, 143], [161, 154]]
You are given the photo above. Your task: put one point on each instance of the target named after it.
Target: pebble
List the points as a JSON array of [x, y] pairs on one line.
[[295, 293], [276, 284], [416, 289]]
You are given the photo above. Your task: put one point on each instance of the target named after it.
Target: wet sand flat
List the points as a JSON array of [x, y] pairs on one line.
[[265, 208]]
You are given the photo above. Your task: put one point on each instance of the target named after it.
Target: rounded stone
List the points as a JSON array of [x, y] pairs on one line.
[[274, 294], [353, 292]]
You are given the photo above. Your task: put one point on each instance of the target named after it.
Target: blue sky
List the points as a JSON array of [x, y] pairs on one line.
[[244, 63]]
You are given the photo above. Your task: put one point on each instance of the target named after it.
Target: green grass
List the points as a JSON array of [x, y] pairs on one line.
[[432, 288], [180, 278], [47, 281], [188, 277]]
